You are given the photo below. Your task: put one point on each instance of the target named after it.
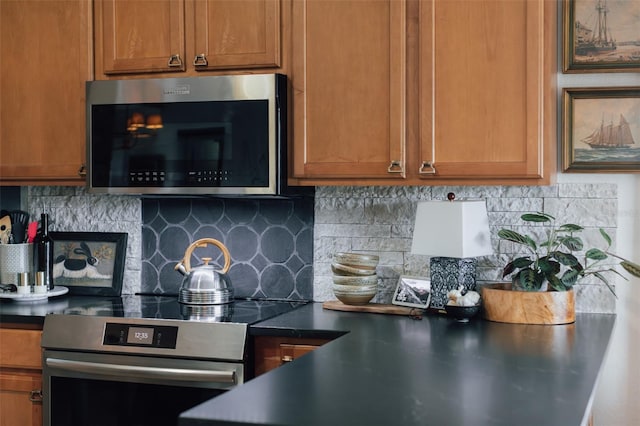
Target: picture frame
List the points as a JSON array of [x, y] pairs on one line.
[[412, 291], [601, 130], [89, 263], [600, 36]]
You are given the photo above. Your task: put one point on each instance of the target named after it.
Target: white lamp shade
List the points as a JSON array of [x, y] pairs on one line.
[[452, 229]]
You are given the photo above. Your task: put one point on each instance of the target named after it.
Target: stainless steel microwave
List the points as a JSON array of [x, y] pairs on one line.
[[213, 135]]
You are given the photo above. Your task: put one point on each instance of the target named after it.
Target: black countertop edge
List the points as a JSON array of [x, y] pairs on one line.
[[259, 330], [394, 370]]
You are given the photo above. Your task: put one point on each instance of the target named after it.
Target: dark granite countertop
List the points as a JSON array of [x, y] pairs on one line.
[[394, 370]]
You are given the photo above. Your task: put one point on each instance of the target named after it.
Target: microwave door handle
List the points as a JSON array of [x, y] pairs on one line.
[[154, 373]]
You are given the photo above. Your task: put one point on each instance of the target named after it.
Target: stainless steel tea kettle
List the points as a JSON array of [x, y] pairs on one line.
[[204, 285]]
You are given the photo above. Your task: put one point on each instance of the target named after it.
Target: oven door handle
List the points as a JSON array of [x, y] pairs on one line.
[[154, 373]]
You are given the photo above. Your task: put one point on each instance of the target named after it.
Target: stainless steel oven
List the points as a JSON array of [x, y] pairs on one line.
[[135, 371]]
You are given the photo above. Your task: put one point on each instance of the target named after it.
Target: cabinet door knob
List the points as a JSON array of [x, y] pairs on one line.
[[35, 395], [174, 61], [200, 60], [427, 168], [82, 171], [394, 167]]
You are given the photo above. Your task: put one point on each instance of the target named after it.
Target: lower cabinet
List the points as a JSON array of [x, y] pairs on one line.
[[20, 377], [271, 352]]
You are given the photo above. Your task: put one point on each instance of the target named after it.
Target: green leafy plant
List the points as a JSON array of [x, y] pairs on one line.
[[553, 261]]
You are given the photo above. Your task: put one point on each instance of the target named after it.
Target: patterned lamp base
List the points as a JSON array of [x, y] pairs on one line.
[[449, 273]]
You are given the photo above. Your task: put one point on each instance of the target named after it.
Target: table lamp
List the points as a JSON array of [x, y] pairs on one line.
[[454, 233]]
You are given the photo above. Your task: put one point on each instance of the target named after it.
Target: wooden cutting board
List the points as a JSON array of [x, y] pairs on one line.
[[376, 308]]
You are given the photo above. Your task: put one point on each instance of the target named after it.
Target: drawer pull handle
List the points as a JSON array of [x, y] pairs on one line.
[[427, 168], [174, 61], [35, 395], [200, 60], [287, 358], [395, 167]]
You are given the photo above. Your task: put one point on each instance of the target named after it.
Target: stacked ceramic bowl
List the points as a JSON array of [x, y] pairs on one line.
[[354, 277]]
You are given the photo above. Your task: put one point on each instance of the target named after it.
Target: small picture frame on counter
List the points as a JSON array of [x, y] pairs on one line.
[[412, 291], [89, 263]]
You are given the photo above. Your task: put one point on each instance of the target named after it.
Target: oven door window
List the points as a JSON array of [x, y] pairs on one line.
[[84, 402]]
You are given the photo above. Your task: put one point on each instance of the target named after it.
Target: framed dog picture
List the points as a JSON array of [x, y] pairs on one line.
[[89, 263], [412, 291]]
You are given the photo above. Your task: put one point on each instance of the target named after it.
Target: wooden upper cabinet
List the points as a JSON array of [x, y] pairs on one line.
[[487, 98], [236, 34], [46, 60], [164, 36], [424, 92], [348, 77], [139, 36]]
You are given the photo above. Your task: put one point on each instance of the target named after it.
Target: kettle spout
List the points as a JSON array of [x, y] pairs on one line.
[[180, 268]]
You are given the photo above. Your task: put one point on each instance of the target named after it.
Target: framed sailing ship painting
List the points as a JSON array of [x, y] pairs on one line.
[[601, 130], [601, 36]]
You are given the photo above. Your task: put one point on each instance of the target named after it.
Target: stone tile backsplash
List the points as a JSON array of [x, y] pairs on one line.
[[284, 248], [72, 209], [379, 220]]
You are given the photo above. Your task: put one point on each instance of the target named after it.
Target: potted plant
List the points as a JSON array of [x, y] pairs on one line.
[[542, 279]]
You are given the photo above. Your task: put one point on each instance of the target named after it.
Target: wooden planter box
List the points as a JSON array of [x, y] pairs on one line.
[[502, 304]]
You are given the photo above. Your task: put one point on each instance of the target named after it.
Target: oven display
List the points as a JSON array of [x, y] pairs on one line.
[[139, 335], [155, 336]]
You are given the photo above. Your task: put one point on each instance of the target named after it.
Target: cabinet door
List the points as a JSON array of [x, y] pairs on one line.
[[486, 92], [20, 399], [272, 351], [348, 78], [139, 36], [44, 46], [20, 377], [236, 34]]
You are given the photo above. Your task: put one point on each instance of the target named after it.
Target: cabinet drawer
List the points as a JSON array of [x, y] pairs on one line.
[[272, 352], [20, 348]]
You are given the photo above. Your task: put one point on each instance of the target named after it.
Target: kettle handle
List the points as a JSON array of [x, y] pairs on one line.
[[186, 261]]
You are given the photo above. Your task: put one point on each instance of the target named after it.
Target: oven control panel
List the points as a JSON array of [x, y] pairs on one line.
[[153, 336]]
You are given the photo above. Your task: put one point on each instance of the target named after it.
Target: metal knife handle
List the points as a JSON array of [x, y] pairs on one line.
[[155, 373]]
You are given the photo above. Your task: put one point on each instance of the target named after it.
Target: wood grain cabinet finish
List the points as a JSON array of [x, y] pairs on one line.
[[486, 108], [424, 92], [271, 352], [20, 377], [45, 51], [348, 77], [186, 36]]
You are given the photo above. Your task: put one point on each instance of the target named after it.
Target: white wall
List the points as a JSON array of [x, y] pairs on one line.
[[616, 398]]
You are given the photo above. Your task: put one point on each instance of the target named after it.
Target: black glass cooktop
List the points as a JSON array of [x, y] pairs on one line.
[[162, 307], [151, 306]]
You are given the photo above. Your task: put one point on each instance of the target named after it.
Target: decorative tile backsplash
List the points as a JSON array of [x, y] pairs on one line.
[[283, 248], [270, 242]]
